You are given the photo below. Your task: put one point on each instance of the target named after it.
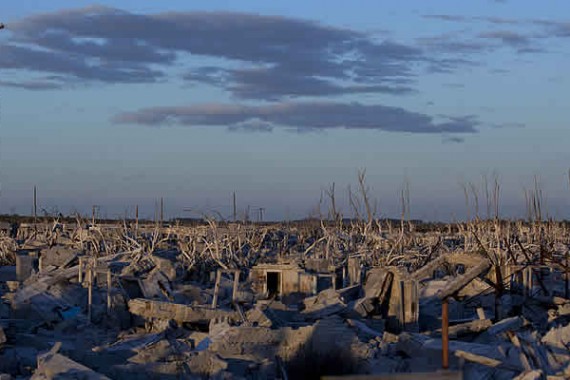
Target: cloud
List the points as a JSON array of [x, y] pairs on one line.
[[453, 43], [31, 85], [554, 28], [278, 82], [453, 140], [525, 36], [516, 125], [445, 17], [507, 37], [260, 57], [471, 19], [251, 125], [302, 116], [71, 67]]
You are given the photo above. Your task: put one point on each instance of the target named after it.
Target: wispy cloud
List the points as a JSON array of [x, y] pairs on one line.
[[301, 116], [507, 37], [31, 84]]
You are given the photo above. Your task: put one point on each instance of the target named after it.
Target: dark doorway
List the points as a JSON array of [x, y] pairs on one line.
[[324, 282], [273, 284]]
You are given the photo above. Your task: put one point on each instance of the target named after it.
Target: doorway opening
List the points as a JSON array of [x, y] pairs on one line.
[[273, 284]]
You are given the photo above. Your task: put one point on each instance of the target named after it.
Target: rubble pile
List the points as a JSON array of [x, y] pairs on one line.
[[236, 301]]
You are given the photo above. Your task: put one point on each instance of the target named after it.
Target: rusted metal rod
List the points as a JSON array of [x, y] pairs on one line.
[[445, 334]]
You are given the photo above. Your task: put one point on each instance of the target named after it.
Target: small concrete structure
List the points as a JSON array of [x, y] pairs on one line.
[[282, 279], [26, 263]]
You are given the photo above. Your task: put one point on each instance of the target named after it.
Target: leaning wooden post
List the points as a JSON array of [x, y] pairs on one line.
[[445, 333], [236, 283], [80, 277], [216, 289], [402, 305], [109, 285]]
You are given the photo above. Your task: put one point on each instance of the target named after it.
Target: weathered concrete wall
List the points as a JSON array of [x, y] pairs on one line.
[[293, 279]]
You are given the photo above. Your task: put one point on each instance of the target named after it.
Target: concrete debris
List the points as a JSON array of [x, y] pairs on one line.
[[180, 313], [536, 374], [466, 329], [52, 365], [558, 337], [509, 324], [327, 302], [259, 317], [249, 301], [463, 280]]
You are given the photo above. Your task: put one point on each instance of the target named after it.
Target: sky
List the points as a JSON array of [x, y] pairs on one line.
[[121, 103]]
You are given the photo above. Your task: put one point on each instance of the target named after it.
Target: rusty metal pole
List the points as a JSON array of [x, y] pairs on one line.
[[445, 333]]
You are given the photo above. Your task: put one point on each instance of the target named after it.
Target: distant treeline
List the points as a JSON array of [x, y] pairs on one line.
[[419, 225]]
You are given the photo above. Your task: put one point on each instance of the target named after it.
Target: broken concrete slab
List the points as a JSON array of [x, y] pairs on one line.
[[467, 328], [58, 256], [536, 374], [52, 365], [462, 280], [509, 324], [558, 337], [177, 312], [259, 316], [206, 363], [327, 302]]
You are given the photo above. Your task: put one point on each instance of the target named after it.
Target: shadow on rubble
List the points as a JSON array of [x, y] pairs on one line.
[[327, 352]]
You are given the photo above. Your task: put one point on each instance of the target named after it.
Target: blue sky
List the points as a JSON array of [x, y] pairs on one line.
[[121, 103]]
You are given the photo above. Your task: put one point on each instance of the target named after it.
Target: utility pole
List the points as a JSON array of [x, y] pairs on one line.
[[261, 210], [136, 219], [35, 207], [94, 212], [235, 207], [161, 211]]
